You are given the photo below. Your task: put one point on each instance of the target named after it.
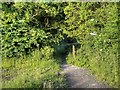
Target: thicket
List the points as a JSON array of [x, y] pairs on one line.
[[93, 25], [28, 33], [96, 25], [26, 26]]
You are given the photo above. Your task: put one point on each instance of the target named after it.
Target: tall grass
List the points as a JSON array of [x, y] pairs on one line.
[[31, 71], [102, 63]]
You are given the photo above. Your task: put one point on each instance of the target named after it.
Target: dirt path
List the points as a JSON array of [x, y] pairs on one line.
[[79, 78]]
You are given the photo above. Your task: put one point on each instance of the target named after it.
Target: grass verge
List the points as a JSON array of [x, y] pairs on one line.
[[31, 72]]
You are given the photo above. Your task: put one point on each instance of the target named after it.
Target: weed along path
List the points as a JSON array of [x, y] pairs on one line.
[[80, 78]]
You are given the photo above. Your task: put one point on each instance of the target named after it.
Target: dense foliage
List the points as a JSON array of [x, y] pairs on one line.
[[92, 25], [99, 45], [29, 25]]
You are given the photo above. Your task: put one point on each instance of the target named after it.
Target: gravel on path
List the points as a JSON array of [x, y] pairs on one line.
[[78, 77]]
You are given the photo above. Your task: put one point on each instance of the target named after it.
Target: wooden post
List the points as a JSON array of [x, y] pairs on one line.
[[73, 51], [14, 61]]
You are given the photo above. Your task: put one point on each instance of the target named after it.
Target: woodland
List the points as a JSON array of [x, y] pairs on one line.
[[37, 37]]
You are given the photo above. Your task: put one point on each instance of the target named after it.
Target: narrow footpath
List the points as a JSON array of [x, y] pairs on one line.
[[80, 78]]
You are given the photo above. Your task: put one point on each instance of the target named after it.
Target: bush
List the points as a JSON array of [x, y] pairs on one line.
[[26, 26], [99, 46]]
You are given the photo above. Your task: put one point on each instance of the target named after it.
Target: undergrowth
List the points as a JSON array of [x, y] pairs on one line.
[[32, 72], [102, 64]]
